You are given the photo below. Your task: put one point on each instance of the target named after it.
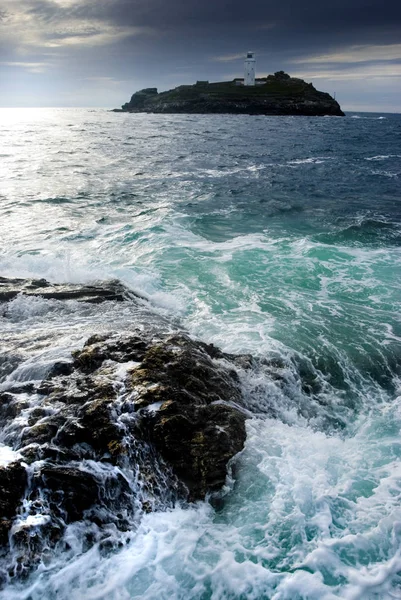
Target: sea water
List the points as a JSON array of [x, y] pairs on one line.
[[275, 236]]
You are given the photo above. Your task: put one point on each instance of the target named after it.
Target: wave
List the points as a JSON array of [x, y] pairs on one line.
[[384, 157], [368, 118], [366, 232], [310, 161]]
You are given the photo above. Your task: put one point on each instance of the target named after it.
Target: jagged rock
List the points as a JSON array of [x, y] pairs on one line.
[[98, 348], [278, 94], [190, 426]]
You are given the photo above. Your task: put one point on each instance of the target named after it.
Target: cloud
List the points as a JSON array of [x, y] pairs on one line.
[[58, 23], [353, 72], [353, 63], [103, 81], [65, 3], [32, 67], [354, 54], [229, 57], [85, 34]]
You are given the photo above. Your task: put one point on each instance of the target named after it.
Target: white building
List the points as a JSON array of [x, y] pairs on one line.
[[250, 64]]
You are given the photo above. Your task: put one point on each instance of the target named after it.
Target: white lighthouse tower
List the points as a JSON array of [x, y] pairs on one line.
[[250, 63]]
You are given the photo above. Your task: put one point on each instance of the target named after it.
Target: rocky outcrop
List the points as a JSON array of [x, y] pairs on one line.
[[132, 423], [277, 94], [10, 288]]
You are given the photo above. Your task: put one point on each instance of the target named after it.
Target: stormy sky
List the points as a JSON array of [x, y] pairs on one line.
[[98, 52]]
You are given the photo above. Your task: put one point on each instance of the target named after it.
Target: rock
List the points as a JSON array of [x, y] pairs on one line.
[[197, 429], [281, 76], [96, 420], [198, 401], [139, 99], [278, 94], [40, 433], [113, 290], [70, 490], [60, 368], [13, 481], [175, 397], [98, 348], [132, 424], [198, 442]]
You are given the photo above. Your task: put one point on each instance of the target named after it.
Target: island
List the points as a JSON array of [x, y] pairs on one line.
[[277, 94]]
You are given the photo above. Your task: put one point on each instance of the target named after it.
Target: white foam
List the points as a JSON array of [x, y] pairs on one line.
[[310, 161], [8, 455], [383, 157], [31, 521]]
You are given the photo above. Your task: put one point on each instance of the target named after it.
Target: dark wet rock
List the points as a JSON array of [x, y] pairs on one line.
[[11, 406], [198, 442], [39, 433], [174, 396], [99, 348], [13, 481], [71, 491], [60, 368], [197, 427], [7, 406], [112, 290], [197, 399], [102, 433]]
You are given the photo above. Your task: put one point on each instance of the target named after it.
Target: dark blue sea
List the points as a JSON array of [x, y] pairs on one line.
[[275, 236]]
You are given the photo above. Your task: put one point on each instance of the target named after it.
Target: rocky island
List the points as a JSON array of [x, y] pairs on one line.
[[277, 94]]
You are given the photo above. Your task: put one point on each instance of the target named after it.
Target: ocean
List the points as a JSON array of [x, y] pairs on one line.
[[274, 236]]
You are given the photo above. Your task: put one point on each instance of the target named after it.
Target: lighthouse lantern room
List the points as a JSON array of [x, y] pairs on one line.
[[250, 63]]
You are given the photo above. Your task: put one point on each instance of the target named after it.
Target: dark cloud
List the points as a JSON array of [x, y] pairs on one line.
[[309, 15], [360, 17]]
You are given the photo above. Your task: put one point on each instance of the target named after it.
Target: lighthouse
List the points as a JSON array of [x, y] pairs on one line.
[[250, 62]]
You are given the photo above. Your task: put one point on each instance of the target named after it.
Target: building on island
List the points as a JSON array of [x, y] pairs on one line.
[[249, 72], [250, 63]]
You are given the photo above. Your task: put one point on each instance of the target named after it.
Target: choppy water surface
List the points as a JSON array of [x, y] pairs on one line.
[[278, 236]]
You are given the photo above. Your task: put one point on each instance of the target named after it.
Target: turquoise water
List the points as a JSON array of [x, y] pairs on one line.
[[278, 236]]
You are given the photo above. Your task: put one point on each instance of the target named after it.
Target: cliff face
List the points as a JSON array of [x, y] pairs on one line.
[[276, 95]]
